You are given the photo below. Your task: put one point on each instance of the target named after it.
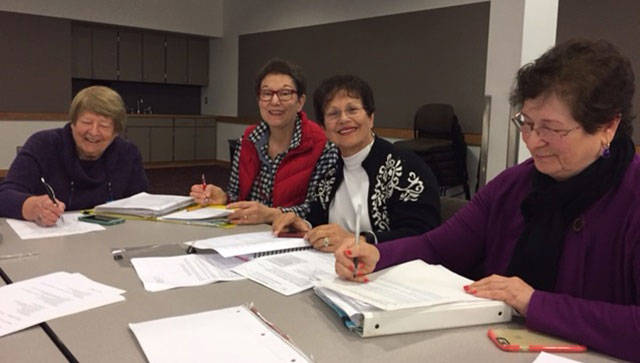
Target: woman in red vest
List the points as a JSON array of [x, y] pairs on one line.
[[280, 160]]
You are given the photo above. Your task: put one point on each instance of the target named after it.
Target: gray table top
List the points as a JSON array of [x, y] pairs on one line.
[[102, 334]]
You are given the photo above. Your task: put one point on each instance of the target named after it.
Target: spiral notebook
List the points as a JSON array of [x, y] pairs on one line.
[[256, 243]]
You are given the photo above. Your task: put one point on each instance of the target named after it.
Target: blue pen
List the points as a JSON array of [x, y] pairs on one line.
[[50, 193]]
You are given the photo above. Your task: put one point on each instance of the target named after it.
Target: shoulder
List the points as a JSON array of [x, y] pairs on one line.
[[383, 151], [313, 131], [45, 142], [628, 188]]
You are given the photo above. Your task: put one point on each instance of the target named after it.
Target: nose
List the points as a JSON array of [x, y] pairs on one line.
[[94, 129], [534, 141], [275, 99]]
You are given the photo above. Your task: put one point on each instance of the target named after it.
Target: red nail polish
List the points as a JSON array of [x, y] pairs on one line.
[[365, 280], [466, 287], [473, 291], [350, 268], [347, 252], [360, 265]]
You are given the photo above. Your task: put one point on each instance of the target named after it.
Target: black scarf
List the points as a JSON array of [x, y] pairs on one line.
[[553, 206]]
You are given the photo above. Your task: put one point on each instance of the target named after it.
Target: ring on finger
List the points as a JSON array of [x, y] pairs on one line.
[[246, 217], [325, 242]]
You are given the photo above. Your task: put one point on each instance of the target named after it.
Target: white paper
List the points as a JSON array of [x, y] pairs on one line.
[[545, 357], [67, 225], [226, 335], [248, 243], [163, 273], [290, 273], [409, 285], [198, 214], [145, 204], [30, 302]]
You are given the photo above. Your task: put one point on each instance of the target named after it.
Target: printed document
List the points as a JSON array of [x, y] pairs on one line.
[[163, 273], [30, 302], [290, 273], [197, 214], [408, 285], [145, 204], [234, 334], [248, 243], [67, 225]]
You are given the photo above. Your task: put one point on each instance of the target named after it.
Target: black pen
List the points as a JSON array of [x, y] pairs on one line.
[[50, 193], [357, 240]]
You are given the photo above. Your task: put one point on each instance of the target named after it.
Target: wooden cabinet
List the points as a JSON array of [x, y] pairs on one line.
[[104, 53], [129, 55], [138, 132], [184, 133], [198, 69], [81, 52], [153, 57], [176, 59], [161, 139], [205, 140]]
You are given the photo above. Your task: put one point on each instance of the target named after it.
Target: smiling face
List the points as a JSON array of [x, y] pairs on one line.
[[570, 154], [276, 112], [92, 133], [347, 124]]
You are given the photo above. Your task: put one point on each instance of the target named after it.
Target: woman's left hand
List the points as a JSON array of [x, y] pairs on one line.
[[251, 212], [512, 290], [328, 237]]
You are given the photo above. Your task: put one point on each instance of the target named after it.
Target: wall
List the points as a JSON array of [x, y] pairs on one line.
[[202, 17], [430, 56], [20, 132]]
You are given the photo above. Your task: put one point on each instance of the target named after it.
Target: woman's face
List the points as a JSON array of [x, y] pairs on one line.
[[92, 134], [347, 124], [278, 113], [569, 149]]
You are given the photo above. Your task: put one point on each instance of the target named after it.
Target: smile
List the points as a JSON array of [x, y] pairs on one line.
[[347, 130]]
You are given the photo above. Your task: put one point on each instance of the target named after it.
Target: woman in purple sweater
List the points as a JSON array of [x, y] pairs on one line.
[[85, 162], [558, 236]]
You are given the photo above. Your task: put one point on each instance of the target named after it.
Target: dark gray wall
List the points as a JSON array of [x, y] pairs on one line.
[[409, 59], [616, 21], [35, 63]]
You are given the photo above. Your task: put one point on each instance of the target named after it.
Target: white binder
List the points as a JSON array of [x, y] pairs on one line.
[[441, 312]]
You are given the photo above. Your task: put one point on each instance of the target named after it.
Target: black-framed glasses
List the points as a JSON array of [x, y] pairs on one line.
[[335, 114], [546, 133], [284, 94]]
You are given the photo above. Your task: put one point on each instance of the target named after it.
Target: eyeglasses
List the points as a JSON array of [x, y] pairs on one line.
[[545, 133], [284, 94], [334, 115]]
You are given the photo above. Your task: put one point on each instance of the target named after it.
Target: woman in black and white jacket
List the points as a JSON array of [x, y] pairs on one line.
[[395, 192]]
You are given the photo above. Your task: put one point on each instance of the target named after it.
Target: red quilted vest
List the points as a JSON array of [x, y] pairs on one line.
[[293, 174]]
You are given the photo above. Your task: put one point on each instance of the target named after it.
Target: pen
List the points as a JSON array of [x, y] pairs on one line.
[[357, 238], [50, 193], [204, 183]]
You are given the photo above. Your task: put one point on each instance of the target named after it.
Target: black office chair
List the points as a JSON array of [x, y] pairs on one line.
[[438, 140]]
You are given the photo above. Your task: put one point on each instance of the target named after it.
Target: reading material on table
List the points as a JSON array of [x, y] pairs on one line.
[[248, 243], [409, 297], [235, 334], [64, 227], [145, 205], [33, 301], [290, 273], [163, 273], [198, 214]]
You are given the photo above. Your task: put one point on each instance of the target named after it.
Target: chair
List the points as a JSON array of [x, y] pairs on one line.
[[438, 140], [450, 206]]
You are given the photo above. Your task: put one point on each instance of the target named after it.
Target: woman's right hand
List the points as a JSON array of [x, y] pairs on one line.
[[367, 254], [40, 209], [212, 194], [289, 222]]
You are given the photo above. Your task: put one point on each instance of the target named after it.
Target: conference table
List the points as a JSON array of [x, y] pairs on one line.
[[103, 335]]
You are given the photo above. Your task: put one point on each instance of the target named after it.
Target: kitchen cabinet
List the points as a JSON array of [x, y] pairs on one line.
[[176, 59], [81, 52], [129, 55], [198, 69], [184, 131], [104, 53], [205, 140]]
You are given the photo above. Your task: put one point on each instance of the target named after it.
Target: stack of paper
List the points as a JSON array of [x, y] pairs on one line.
[[290, 273], [198, 214], [47, 297], [163, 273], [234, 334], [145, 205], [247, 243], [67, 225], [409, 297]]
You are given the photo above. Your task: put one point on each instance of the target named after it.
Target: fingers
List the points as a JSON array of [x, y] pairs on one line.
[[201, 196], [244, 213], [511, 290], [283, 222], [346, 272]]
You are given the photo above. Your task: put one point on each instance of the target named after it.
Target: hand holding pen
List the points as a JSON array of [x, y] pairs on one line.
[[205, 194], [45, 210]]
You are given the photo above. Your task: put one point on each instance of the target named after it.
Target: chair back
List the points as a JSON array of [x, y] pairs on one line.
[[450, 206], [434, 120]]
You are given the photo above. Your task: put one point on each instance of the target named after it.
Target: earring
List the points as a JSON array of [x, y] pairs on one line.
[[606, 151]]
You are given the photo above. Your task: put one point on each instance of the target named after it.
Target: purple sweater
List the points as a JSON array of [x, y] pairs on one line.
[[80, 184], [596, 300]]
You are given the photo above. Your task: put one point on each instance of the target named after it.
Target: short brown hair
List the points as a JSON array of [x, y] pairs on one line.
[[592, 77], [101, 100], [279, 66]]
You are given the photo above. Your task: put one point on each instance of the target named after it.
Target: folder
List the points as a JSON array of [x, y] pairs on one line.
[[145, 205], [445, 308]]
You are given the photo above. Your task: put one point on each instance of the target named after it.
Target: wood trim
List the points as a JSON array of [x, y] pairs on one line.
[[177, 164], [238, 120], [35, 116]]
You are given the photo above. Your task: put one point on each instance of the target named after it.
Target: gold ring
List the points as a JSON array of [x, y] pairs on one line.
[[246, 216], [325, 242]]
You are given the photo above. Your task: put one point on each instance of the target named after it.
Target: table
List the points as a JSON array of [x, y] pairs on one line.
[[102, 334]]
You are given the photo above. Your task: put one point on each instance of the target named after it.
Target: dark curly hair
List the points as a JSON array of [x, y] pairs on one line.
[[592, 77], [355, 87], [279, 66]]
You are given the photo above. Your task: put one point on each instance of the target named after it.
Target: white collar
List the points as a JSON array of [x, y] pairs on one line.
[[355, 160]]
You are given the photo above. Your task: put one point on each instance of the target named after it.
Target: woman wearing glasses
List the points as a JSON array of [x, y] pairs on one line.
[[558, 236], [391, 193], [279, 161]]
